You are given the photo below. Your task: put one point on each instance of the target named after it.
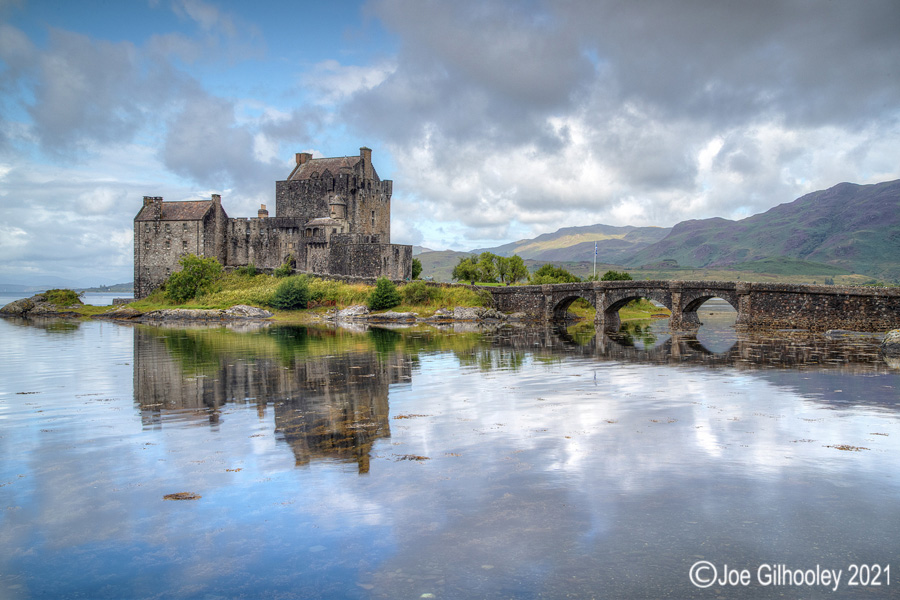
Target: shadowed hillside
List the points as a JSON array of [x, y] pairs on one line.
[[848, 226]]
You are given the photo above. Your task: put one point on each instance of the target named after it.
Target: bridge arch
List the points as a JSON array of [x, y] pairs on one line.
[[692, 300], [561, 304], [612, 300]]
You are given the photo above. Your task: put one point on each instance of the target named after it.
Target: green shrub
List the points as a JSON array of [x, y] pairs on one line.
[[385, 295], [416, 292], [292, 293], [416, 268], [62, 297], [197, 276], [616, 276], [284, 270], [552, 274], [247, 271]]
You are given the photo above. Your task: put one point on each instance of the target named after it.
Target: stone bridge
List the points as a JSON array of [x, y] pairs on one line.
[[758, 305]]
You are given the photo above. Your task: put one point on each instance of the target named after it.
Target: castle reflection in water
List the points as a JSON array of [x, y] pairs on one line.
[[326, 405], [329, 388]]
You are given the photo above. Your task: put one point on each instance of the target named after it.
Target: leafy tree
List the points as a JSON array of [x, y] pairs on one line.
[[292, 293], [487, 267], [552, 274], [511, 268], [616, 276], [467, 268], [197, 276], [385, 295], [416, 268]]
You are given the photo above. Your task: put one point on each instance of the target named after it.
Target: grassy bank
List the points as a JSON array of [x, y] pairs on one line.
[[258, 290]]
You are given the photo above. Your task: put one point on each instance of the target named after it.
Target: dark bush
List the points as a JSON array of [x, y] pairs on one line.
[[385, 295], [291, 294]]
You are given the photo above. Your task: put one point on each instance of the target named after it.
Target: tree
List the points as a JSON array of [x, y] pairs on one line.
[[466, 268], [511, 268], [616, 276], [552, 274], [385, 295], [416, 268], [487, 267], [292, 293], [197, 276]]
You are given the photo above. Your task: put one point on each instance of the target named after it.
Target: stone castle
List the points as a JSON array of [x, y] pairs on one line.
[[332, 218]]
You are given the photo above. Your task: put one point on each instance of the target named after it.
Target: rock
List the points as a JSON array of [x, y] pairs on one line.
[[890, 345], [393, 316], [467, 313], [492, 313], [19, 308], [443, 313], [185, 314], [123, 312], [351, 312], [243, 311]]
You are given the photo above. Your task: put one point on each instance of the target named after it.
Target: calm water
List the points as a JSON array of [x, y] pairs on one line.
[[524, 463]]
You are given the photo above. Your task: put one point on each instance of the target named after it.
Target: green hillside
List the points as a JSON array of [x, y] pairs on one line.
[[851, 227], [614, 244]]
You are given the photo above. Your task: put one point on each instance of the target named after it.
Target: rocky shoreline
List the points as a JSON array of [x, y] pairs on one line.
[[38, 306]]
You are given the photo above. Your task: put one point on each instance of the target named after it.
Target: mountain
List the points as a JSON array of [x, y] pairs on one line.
[[848, 226], [614, 244], [438, 265]]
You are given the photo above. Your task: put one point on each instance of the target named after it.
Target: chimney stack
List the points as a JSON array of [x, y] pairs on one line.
[[216, 198], [302, 157], [366, 155], [262, 213]]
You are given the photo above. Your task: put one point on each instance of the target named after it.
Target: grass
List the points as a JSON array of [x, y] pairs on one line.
[[257, 290]]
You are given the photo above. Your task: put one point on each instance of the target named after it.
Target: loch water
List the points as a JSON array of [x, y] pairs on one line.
[[460, 463]]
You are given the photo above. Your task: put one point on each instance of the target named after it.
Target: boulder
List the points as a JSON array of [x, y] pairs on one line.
[[122, 312], [890, 345], [467, 313], [19, 308], [393, 316], [243, 311], [184, 314], [352, 312]]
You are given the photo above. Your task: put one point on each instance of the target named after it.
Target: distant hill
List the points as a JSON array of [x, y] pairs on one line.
[[849, 227], [438, 265], [614, 244]]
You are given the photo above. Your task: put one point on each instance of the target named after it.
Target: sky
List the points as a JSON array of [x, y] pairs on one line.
[[496, 121]]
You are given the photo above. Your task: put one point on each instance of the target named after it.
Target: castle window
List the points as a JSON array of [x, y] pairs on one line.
[[373, 218], [168, 271], [168, 228], [147, 227], [167, 244], [184, 246], [333, 230], [184, 226], [146, 244]]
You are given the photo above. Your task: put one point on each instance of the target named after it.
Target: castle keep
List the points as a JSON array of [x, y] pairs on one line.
[[332, 217]]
